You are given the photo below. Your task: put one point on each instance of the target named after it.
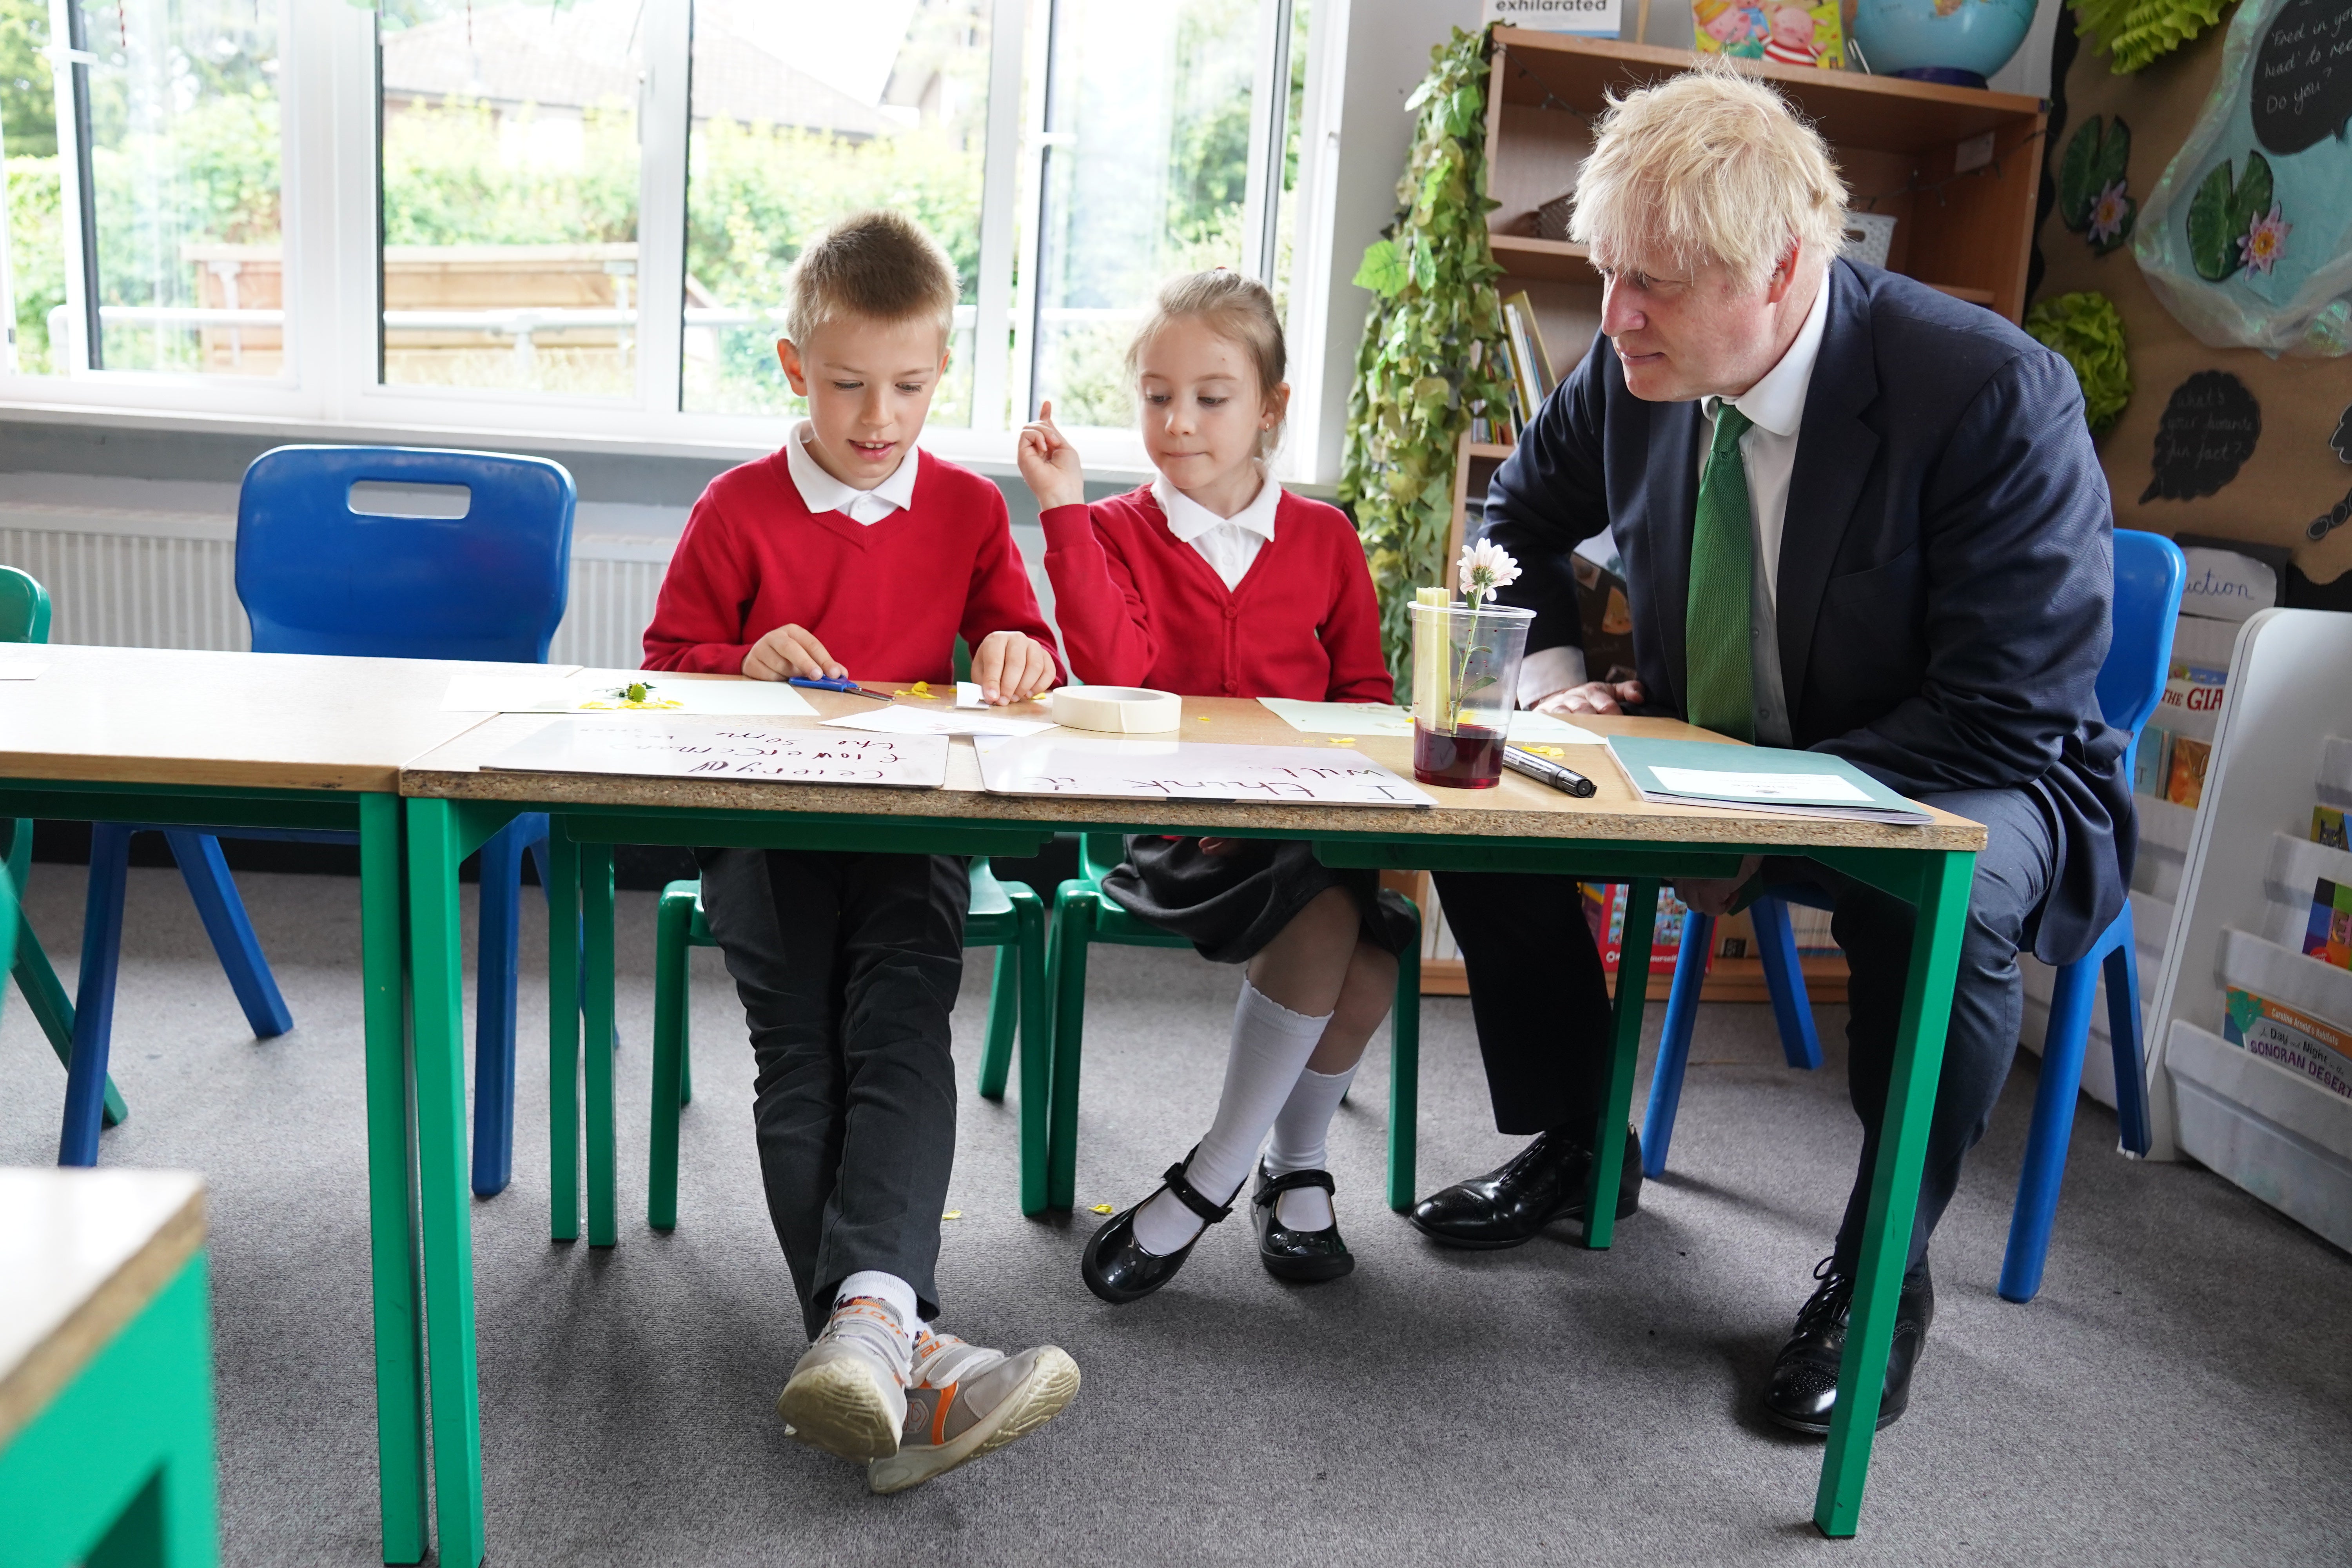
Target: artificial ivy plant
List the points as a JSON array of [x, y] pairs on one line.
[[1433, 346], [2087, 330]]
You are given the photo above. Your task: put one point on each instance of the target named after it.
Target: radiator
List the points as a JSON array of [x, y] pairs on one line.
[[171, 582]]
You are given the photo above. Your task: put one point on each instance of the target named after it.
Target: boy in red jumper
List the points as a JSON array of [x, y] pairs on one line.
[[853, 552], [1212, 582]]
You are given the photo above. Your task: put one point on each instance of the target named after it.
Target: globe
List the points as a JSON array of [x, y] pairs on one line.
[[1960, 41]]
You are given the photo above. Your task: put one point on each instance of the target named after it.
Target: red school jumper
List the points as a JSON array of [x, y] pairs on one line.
[[1141, 607], [886, 599]]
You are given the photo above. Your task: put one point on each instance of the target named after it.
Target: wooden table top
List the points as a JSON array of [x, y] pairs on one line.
[[81, 1254], [253, 721], [1516, 808]]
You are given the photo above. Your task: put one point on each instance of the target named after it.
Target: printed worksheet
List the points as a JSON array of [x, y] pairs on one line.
[[723, 749], [1059, 762]]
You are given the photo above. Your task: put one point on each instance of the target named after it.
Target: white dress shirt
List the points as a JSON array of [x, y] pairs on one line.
[[820, 491], [1227, 543], [1768, 449]]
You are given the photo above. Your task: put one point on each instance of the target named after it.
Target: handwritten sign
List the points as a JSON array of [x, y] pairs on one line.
[[2208, 430], [1061, 763], [2302, 90], [720, 748]]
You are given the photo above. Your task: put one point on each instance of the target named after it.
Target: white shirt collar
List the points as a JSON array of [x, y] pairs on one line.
[[1188, 520], [820, 491], [1777, 402]]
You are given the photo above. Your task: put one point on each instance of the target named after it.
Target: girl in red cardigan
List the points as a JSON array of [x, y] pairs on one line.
[[1212, 582]]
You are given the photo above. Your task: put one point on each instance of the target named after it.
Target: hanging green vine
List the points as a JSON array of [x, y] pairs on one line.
[[1433, 343], [2087, 332]]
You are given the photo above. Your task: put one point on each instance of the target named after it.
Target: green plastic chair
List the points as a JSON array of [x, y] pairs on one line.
[[24, 618], [1083, 915], [1007, 916]]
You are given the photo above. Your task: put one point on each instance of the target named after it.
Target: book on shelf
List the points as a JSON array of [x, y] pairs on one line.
[[2328, 827], [2152, 762], [2307, 1047], [1529, 362], [1604, 911], [2184, 780], [2328, 935]]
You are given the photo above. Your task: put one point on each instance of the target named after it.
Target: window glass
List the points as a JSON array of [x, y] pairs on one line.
[[1147, 164], [804, 113], [32, 253], [182, 184], [510, 165], [1294, 120]]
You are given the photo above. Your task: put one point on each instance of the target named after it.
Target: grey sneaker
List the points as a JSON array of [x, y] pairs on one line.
[[848, 1395], [966, 1401]]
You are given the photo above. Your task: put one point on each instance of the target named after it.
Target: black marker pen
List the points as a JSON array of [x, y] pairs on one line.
[[1568, 781]]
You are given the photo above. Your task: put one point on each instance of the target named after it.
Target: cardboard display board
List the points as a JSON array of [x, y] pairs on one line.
[[2223, 442]]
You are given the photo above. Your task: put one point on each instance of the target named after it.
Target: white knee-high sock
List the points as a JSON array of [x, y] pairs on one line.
[[1300, 1142], [1271, 1045]]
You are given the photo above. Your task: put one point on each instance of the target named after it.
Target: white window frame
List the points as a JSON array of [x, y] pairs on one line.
[[328, 386]]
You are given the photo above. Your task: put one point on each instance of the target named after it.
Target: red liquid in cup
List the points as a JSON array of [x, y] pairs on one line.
[[1468, 759]]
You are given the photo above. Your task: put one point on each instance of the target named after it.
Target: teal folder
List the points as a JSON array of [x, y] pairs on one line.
[[1758, 778]]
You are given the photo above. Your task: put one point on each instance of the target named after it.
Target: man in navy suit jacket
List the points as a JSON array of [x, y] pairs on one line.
[[1855, 515]]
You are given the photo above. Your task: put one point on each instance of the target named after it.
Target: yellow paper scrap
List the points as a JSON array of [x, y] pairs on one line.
[[1343, 740], [1546, 751], [952, 1214], [1102, 1208], [923, 688]]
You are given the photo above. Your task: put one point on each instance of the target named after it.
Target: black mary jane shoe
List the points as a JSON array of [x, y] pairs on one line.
[[1302, 1256], [1116, 1267], [1802, 1394]]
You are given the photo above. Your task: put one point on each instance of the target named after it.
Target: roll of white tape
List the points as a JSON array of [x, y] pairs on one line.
[[1118, 709]]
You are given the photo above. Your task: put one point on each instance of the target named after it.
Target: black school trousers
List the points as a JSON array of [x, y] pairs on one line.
[[848, 967], [1539, 997]]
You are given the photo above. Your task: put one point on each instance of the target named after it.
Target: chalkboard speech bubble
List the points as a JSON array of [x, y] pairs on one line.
[[2342, 440], [2302, 90], [2208, 431]]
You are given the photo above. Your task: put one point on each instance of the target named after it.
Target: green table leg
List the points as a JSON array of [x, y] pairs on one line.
[[1404, 1075], [1037, 1035], [117, 1470], [597, 919], [434, 848], [1625, 1050], [398, 1289], [1074, 920], [562, 1036], [1943, 881]]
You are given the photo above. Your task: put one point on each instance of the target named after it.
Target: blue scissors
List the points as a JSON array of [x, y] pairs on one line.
[[850, 687]]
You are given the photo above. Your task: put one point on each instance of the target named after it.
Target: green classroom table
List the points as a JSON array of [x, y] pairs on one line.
[[454, 805], [106, 1389], [278, 742]]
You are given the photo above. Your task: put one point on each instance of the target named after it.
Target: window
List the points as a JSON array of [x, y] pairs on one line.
[[146, 236], [804, 113], [510, 188], [574, 218]]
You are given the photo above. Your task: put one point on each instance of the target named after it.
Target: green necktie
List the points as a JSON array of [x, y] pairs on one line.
[[1717, 630]]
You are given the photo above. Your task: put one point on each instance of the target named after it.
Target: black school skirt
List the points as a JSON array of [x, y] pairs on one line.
[[1229, 906]]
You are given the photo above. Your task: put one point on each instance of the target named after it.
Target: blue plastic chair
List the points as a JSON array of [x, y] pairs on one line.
[[316, 576], [2149, 572]]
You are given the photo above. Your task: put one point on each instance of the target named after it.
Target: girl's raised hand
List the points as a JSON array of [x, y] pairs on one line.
[[1049, 464]]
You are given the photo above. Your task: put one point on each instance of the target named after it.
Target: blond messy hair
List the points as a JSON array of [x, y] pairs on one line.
[[1710, 166], [881, 265], [1238, 308]]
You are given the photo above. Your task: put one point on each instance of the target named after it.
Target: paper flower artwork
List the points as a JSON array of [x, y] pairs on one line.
[[1486, 566], [2093, 193], [2264, 241], [2107, 214]]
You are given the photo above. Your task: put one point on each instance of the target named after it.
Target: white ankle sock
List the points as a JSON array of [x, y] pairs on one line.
[[1300, 1144], [1271, 1045], [887, 1289]]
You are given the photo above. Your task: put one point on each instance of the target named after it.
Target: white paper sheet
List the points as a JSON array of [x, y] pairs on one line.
[[21, 671], [1808, 789], [1065, 764], [709, 747], [1386, 718], [907, 719], [597, 690]]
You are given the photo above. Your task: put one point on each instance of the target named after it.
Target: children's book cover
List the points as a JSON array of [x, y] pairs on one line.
[[2328, 827], [1604, 911], [2303, 1045], [1786, 32], [2328, 937]]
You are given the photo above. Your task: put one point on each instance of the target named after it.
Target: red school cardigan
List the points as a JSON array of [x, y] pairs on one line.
[[886, 599], [1139, 607]]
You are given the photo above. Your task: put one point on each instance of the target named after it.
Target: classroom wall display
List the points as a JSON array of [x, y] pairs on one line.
[[2086, 328], [2247, 238], [1590, 18], [2136, 32], [2273, 476]]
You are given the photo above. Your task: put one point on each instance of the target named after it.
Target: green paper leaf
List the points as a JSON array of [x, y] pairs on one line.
[[2221, 212], [1381, 270]]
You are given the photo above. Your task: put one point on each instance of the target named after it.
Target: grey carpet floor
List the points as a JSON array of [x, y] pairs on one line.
[[2180, 1392]]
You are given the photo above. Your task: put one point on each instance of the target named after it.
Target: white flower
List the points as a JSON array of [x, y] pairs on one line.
[[1486, 566]]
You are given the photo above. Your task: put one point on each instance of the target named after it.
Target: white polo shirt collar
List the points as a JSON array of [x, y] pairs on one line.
[[821, 492]]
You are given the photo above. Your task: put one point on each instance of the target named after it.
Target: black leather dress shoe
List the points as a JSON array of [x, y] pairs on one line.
[[1803, 1391], [1509, 1206], [1116, 1267], [1305, 1257]]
